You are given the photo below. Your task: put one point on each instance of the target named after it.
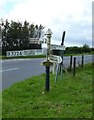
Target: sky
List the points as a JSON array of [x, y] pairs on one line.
[[72, 16]]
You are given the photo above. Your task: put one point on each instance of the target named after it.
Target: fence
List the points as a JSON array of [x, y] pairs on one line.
[[76, 62]]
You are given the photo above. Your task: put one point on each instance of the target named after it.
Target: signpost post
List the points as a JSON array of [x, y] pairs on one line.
[[48, 63], [52, 59], [62, 54], [58, 58]]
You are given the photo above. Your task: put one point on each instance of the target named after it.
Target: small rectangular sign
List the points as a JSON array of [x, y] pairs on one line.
[[57, 47], [34, 40]]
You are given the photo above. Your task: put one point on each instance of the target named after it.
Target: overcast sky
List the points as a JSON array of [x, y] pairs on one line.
[[72, 16]]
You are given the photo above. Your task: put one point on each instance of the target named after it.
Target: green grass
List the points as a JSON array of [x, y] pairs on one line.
[[70, 97], [77, 54], [41, 56], [0, 105]]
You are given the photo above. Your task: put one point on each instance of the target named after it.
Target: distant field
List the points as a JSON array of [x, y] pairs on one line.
[[70, 97]]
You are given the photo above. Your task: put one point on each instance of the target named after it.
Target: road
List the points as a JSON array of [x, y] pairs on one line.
[[17, 70]]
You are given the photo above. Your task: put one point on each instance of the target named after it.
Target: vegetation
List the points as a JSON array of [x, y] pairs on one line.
[[0, 105], [85, 49], [70, 97], [24, 57], [76, 50], [16, 35]]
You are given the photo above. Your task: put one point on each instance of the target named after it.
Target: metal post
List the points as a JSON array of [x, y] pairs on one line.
[[61, 65], [47, 82], [74, 66], [57, 70], [62, 54], [47, 78]]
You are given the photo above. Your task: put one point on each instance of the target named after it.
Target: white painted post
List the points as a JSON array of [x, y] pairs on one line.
[[54, 68]]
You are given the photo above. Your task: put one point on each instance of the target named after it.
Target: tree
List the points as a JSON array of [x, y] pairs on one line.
[[86, 48], [25, 35], [16, 36], [31, 31], [5, 35]]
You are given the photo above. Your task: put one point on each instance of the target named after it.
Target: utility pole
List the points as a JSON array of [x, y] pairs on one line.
[[62, 53]]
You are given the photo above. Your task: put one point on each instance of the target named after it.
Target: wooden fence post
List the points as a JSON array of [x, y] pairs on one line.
[[82, 61], [70, 62], [74, 66]]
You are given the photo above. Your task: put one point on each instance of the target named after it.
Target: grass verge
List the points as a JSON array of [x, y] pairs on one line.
[[41, 56], [70, 97], [18, 57], [0, 105]]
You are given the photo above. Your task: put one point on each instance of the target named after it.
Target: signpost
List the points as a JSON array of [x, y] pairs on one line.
[[48, 63], [51, 58], [58, 59]]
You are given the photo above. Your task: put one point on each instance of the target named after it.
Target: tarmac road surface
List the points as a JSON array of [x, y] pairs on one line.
[[20, 69]]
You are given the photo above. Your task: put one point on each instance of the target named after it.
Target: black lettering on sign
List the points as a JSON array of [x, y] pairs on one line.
[[25, 53], [17, 53], [8, 54], [32, 52], [20, 53]]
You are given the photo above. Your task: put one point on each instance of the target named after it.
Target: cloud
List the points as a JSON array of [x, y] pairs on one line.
[[6, 6], [74, 16]]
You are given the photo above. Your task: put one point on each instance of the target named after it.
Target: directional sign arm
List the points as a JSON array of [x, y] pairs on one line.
[[56, 59]]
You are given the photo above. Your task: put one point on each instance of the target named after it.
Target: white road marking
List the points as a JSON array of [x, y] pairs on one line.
[[9, 70], [14, 60], [9, 60]]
